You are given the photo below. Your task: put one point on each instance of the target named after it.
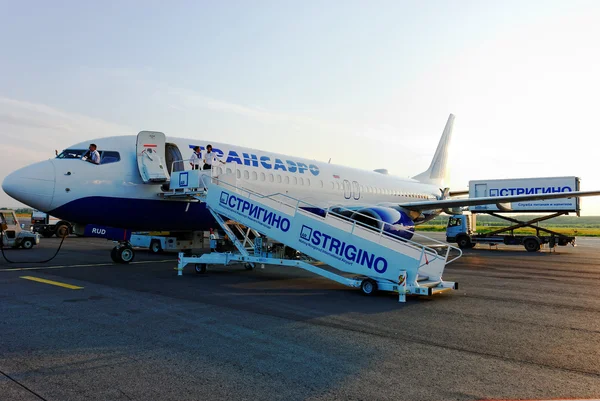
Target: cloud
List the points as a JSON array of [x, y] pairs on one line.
[[30, 132]]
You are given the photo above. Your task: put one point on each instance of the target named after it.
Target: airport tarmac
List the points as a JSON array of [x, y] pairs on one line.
[[520, 326]]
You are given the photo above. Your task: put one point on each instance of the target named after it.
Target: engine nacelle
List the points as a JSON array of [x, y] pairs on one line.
[[398, 222]]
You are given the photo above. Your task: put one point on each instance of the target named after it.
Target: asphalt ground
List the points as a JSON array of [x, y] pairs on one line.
[[521, 326]]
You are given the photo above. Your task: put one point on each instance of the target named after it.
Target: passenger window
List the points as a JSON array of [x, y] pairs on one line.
[[254, 176], [308, 182], [246, 174], [109, 157], [301, 180], [262, 176], [287, 179], [238, 174], [271, 178], [278, 178], [295, 181], [228, 170], [321, 183]]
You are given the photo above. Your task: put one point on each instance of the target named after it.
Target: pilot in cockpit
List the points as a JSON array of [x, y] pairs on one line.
[[92, 154]]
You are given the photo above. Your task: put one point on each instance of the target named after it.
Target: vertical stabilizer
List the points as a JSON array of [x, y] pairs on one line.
[[438, 172]]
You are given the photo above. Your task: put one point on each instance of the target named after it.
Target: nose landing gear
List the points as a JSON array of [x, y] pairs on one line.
[[122, 253]]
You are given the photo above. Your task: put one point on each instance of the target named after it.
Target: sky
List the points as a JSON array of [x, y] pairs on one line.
[[367, 84]]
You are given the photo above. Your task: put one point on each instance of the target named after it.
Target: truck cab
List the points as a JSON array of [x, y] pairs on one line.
[[13, 236], [460, 228]]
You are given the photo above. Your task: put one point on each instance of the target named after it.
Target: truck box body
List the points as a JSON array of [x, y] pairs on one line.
[[526, 186]]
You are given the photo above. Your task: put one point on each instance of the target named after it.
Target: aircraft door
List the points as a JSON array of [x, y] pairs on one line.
[[151, 157], [174, 158]]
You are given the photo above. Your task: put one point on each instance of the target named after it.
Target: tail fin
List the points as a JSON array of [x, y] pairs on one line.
[[438, 172]]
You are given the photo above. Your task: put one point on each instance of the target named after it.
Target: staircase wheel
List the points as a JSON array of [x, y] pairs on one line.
[[368, 286]]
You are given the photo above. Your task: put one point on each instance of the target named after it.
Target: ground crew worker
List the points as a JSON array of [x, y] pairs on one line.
[[196, 158], [210, 158], [92, 154]]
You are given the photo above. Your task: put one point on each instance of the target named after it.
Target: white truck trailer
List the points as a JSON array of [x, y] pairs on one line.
[[158, 242], [462, 228]]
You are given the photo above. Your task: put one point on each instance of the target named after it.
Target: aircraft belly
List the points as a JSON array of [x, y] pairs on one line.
[[136, 214]]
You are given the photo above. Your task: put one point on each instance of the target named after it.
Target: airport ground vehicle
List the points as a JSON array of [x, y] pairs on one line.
[[48, 225], [462, 228], [13, 236], [377, 260], [158, 242]]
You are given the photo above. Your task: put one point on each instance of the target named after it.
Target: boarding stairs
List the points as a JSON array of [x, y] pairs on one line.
[[375, 258]]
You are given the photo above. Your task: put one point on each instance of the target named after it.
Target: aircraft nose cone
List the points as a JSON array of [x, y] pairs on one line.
[[32, 185]]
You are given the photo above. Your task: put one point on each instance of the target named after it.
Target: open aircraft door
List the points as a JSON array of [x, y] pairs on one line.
[[151, 157]]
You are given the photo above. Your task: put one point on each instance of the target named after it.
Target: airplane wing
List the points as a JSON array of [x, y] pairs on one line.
[[488, 200]]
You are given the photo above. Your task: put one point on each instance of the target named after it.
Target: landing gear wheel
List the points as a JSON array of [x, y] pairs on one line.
[[368, 287], [531, 245], [27, 243], [249, 266], [464, 242], [155, 246], [200, 268], [122, 254]]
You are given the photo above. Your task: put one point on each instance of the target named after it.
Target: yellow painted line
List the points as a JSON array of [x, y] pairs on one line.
[[43, 280], [17, 269]]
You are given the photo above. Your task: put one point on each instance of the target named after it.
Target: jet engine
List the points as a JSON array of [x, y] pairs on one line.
[[398, 222]]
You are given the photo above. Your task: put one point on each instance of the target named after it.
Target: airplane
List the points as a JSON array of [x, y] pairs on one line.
[[118, 192]]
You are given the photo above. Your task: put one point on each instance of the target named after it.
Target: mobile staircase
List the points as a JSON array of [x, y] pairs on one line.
[[374, 258]]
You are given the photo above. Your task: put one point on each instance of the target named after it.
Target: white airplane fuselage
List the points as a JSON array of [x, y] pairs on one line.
[[113, 194]]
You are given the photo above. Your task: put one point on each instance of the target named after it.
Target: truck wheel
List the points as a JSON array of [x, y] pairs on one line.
[[464, 242], [368, 287], [62, 230], [155, 246], [27, 243], [200, 268], [125, 254], [531, 245]]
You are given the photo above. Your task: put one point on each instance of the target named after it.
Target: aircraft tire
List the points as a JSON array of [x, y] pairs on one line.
[[113, 255], [125, 254]]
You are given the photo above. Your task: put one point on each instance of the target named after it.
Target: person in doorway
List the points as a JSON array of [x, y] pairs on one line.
[[196, 159], [92, 154], [210, 158]]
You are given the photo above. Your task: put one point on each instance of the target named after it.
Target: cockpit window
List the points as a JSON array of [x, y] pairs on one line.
[[106, 156], [71, 154]]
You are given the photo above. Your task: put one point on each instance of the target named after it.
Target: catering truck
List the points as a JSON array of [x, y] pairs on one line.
[[462, 228]]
